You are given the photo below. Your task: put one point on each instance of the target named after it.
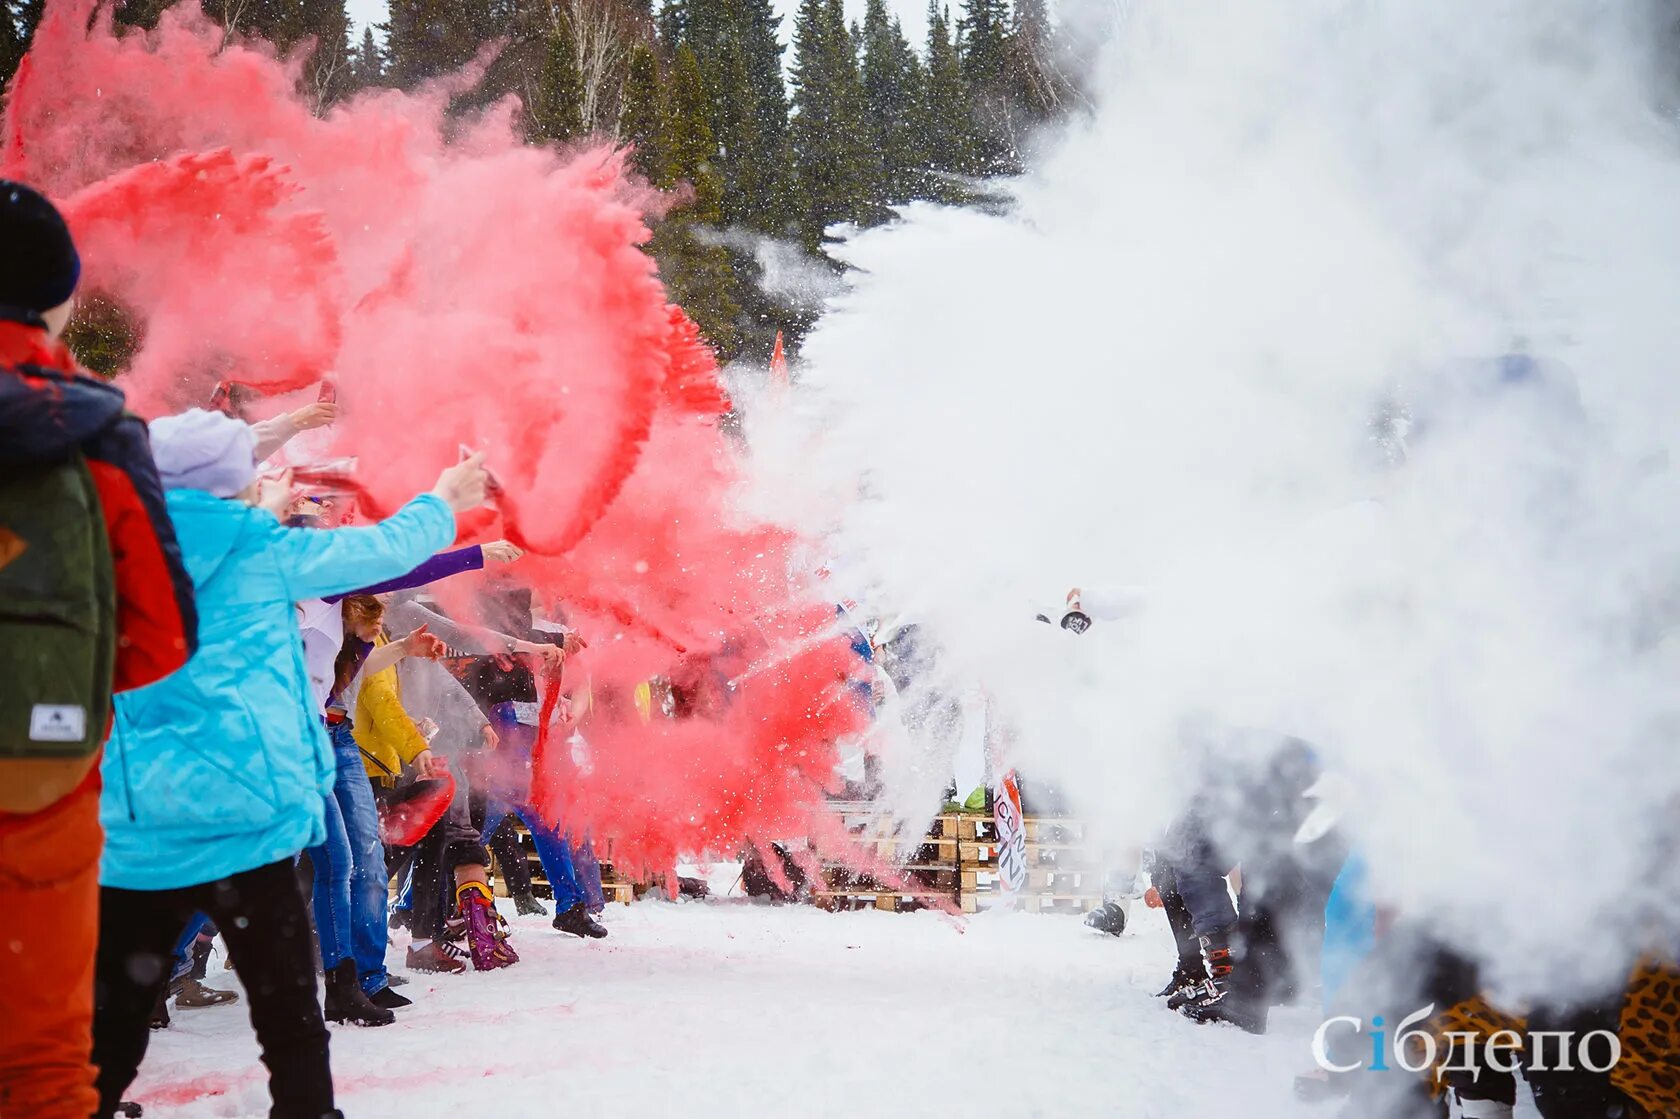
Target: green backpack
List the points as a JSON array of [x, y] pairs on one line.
[[58, 612]]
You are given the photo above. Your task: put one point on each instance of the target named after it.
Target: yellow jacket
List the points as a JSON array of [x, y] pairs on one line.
[[388, 737]]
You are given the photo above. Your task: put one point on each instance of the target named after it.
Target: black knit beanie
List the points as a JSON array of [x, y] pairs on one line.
[[38, 262]]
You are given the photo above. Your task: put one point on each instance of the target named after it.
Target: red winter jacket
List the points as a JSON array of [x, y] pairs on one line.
[[48, 407]]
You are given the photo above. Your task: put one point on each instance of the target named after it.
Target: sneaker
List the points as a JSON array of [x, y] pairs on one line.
[[578, 922], [346, 1001], [439, 956], [486, 938], [400, 919], [527, 905], [193, 994]]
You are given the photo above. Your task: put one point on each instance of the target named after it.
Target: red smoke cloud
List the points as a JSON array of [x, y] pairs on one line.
[[461, 288]]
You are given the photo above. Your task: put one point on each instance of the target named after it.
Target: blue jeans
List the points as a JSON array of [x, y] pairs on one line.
[[184, 946], [552, 849], [350, 880], [589, 875]]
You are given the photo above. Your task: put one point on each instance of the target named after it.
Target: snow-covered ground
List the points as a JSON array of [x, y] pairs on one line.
[[733, 1008]]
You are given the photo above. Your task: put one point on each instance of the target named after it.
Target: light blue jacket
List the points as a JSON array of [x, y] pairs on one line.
[[221, 768]]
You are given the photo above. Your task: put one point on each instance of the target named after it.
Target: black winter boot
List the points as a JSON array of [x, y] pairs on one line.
[[346, 1002], [578, 922], [527, 905]]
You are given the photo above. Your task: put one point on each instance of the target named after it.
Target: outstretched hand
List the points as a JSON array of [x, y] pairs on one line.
[[551, 658], [276, 494], [464, 485], [311, 416], [420, 643]]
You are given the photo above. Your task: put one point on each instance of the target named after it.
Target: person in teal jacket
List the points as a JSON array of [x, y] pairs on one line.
[[215, 777]]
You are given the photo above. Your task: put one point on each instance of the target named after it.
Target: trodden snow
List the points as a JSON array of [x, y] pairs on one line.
[[730, 1008]]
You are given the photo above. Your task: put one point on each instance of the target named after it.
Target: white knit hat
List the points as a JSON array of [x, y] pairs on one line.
[[199, 450]]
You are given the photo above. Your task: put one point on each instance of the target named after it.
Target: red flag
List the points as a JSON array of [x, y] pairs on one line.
[[778, 362]]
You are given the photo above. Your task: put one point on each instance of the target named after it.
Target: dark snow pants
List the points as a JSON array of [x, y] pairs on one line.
[[265, 923]]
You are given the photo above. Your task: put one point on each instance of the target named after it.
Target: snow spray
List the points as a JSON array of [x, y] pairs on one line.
[[449, 285], [1283, 271]]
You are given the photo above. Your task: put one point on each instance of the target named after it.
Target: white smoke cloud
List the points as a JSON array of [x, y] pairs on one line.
[[1161, 369]]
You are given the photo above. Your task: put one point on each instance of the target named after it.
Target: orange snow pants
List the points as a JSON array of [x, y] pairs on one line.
[[49, 930]]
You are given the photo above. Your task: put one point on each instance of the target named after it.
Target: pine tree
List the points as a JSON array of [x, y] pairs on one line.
[[671, 26], [829, 138], [771, 200], [985, 43], [14, 41], [555, 114], [426, 39], [985, 66], [368, 69], [689, 143], [696, 269], [640, 121], [892, 94], [740, 57], [141, 13], [946, 125]]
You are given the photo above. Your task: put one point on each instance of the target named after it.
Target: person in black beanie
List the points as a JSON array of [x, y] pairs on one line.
[[52, 414]]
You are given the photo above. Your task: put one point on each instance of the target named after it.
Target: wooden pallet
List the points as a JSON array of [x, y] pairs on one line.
[[958, 858], [892, 901], [614, 887]]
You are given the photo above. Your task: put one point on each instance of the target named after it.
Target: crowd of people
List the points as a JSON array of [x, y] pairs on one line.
[[236, 716], [231, 715]]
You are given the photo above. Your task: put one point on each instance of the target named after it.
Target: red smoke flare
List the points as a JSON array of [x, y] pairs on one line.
[[460, 287]]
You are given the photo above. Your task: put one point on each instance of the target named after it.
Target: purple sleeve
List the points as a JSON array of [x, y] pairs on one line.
[[440, 566]]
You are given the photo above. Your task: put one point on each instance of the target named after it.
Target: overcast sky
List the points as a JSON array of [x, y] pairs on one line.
[[913, 14]]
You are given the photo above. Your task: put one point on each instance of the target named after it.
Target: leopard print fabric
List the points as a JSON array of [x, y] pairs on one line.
[[1649, 1071]]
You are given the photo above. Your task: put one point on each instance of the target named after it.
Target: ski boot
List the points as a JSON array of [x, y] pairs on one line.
[[1109, 917], [347, 1003], [486, 936], [527, 905], [1228, 994], [1188, 978], [577, 922]]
